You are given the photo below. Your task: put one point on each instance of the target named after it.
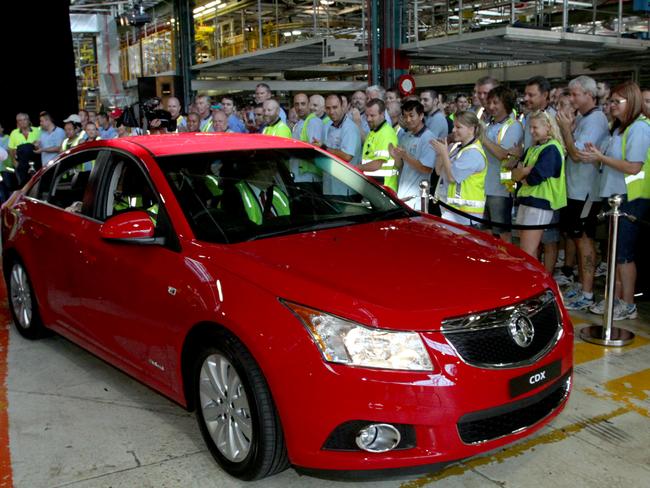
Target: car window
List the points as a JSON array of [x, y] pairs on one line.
[[70, 181], [40, 190], [242, 195], [125, 188]]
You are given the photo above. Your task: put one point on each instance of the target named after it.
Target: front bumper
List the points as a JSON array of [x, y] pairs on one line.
[[456, 411]]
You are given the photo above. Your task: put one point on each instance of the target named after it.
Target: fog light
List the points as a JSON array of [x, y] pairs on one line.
[[378, 438]]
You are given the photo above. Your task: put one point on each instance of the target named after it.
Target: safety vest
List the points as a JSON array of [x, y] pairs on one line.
[[253, 207], [206, 125], [376, 147], [553, 190], [638, 185], [304, 137], [469, 195], [505, 175], [279, 129], [326, 120], [69, 143]]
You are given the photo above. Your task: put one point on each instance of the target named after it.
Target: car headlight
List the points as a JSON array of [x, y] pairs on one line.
[[346, 342]]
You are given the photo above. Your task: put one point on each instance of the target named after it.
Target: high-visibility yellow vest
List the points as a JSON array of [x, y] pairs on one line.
[[304, 136], [69, 143], [253, 207], [505, 175], [469, 195], [279, 129], [207, 125], [553, 190], [375, 148], [638, 185]]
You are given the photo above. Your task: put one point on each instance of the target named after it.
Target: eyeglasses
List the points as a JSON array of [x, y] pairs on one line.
[[619, 101]]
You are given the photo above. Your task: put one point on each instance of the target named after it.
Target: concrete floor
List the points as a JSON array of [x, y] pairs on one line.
[[76, 422]]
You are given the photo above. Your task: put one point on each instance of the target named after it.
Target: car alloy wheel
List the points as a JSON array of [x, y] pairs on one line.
[[225, 408], [23, 302], [21, 296], [235, 410]]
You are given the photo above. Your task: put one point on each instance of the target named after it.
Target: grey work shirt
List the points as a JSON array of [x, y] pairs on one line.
[[417, 145], [436, 122], [512, 137], [583, 178], [347, 138]]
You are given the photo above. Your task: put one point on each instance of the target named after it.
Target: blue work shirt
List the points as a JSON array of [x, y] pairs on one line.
[[51, 139], [582, 179], [512, 137], [419, 146], [346, 138], [109, 133], [436, 122], [235, 124]]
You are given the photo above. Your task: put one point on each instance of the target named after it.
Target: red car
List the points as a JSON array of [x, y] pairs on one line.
[[308, 316]]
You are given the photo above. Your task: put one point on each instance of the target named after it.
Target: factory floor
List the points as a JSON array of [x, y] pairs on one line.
[[70, 420]]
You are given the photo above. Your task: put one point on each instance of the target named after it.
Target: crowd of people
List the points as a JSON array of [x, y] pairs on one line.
[[547, 159]]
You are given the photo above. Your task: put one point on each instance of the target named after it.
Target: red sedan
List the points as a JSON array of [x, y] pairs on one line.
[[309, 317]]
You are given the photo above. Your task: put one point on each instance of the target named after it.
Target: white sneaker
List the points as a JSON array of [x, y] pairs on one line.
[[599, 308], [601, 270], [625, 311]]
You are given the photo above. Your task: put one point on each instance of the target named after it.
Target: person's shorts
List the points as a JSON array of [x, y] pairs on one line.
[[580, 217], [628, 232], [552, 234], [533, 216], [498, 210]]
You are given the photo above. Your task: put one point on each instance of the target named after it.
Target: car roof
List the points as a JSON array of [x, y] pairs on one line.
[[202, 142]]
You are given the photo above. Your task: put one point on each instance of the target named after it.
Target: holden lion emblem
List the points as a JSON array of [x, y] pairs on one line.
[[522, 330]]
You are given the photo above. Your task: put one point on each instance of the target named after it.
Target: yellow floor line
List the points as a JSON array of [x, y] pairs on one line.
[[627, 391]]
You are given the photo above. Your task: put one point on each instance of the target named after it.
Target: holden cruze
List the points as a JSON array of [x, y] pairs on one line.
[[309, 317]]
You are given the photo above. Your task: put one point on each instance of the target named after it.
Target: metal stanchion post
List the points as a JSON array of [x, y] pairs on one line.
[[606, 335], [424, 196]]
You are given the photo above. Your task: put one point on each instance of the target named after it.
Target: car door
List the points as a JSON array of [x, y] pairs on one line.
[[130, 293], [55, 210]]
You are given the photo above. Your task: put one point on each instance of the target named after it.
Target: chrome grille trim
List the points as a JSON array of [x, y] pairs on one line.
[[498, 317]]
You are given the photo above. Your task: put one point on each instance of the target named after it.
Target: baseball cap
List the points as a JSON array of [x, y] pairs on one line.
[[116, 113], [73, 118]]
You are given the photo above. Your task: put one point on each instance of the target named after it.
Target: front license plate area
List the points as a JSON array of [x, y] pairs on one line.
[[529, 381]]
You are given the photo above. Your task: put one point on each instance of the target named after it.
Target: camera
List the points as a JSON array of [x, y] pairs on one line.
[[152, 111]]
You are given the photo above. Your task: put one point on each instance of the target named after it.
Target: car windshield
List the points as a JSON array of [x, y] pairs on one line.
[[237, 196]]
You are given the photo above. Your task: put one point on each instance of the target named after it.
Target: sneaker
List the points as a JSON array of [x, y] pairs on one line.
[[561, 279], [625, 311], [601, 270], [571, 293], [599, 308], [579, 303]]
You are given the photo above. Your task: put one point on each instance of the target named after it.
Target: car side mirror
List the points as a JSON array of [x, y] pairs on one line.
[[133, 227]]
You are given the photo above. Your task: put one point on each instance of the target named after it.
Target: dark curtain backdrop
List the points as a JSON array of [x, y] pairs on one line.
[[38, 71]]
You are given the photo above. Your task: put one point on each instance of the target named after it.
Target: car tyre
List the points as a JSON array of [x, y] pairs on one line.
[[236, 413], [23, 303]]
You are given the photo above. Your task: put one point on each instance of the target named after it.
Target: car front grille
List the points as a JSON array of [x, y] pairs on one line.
[[486, 340], [488, 425]]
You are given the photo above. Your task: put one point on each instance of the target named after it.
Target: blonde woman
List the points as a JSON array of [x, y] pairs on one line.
[[462, 169], [543, 180]]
